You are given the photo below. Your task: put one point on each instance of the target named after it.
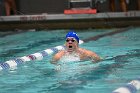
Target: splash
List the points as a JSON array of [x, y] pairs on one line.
[[70, 58]]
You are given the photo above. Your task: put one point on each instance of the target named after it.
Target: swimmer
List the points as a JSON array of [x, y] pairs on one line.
[[72, 48]]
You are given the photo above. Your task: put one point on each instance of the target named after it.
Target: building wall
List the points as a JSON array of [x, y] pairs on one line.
[[104, 7], [58, 6], [2, 8], [42, 6]]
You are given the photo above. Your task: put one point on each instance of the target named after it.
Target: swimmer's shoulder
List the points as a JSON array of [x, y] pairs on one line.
[[86, 52], [90, 54], [83, 50]]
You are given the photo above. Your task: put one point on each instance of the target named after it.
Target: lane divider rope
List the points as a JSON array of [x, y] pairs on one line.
[[131, 87], [36, 56]]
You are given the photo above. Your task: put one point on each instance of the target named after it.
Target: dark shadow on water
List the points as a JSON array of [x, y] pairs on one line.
[[12, 52], [6, 33]]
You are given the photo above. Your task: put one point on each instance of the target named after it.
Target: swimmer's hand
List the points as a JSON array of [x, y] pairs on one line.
[[97, 59], [53, 62], [100, 59]]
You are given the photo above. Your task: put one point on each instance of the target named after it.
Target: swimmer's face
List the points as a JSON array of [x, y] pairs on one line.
[[71, 44]]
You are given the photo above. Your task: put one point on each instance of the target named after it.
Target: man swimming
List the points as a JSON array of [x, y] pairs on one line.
[[74, 51]]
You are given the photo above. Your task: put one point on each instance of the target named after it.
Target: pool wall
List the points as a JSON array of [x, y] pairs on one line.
[[67, 21]]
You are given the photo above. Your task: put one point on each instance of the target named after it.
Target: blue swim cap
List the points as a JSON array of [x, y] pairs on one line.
[[72, 34]]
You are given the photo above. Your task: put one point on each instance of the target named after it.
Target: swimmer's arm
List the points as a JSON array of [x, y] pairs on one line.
[[54, 60], [57, 57], [94, 56]]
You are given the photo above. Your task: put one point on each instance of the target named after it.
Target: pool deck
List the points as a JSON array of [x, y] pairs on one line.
[[67, 21]]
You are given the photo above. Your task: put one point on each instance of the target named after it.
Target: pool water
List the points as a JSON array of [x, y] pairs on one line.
[[122, 63]]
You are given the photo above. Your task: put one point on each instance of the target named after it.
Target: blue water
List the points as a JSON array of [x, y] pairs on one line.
[[121, 66]]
